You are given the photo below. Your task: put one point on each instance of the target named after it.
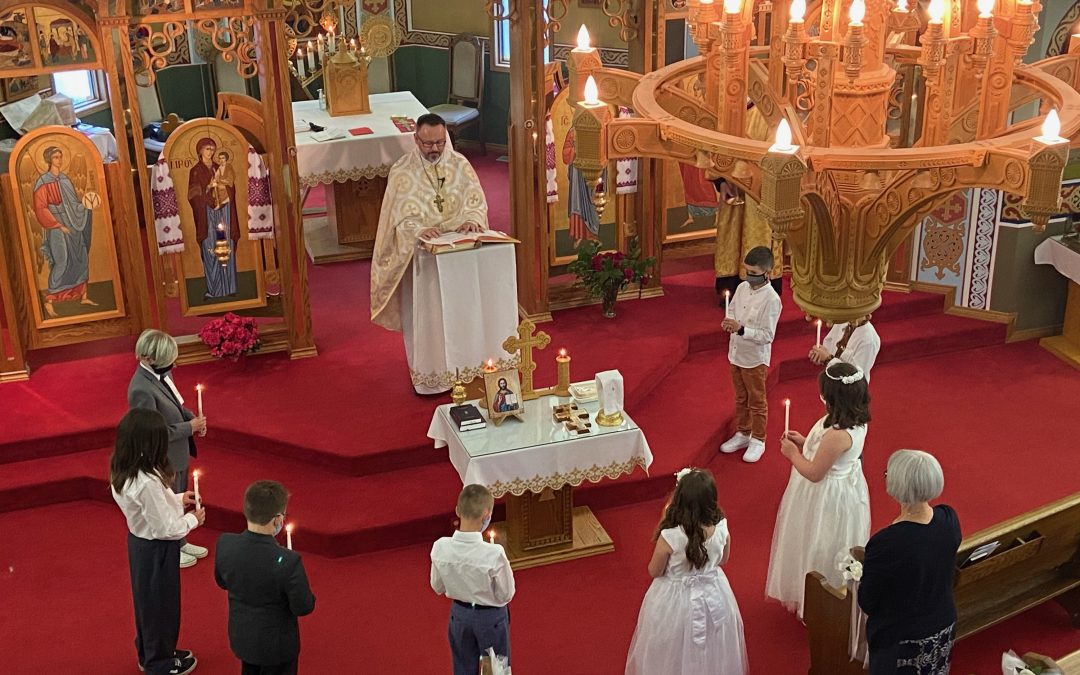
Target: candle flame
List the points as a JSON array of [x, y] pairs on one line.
[[592, 94], [783, 136], [1051, 127], [901, 5], [787, 401], [583, 38], [798, 10], [562, 352], [857, 12], [195, 473], [936, 10], [986, 7], [198, 387], [289, 528], [733, 6]]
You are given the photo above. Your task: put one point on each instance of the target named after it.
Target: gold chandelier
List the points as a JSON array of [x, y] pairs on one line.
[[849, 174]]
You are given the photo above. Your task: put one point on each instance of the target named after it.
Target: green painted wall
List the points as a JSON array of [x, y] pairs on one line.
[[1035, 292], [425, 71]]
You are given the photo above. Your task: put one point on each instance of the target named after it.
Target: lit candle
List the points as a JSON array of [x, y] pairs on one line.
[[332, 42], [787, 415], [583, 40], [491, 536], [936, 10], [352, 45], [322, 48], [797, 12], [818, 333], [221, 232], [489, 366], [1051, 129], [901, 6], [857, 12], [198, 496], [727, 297], [592, 92], [733, 6], [782, 142], [986, 8], [563, 363], [301, 72], [311, 59], [288, 536], [198, 390]]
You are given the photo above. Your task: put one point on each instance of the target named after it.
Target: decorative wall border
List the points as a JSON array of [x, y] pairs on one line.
[[1059, 39], [980, 256]]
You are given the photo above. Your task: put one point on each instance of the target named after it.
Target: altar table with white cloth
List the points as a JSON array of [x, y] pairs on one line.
[[457, 309], [536, 463], [353, 168], [1066, 260]]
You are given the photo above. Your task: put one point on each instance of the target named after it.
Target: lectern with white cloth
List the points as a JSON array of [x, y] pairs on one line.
[[353, 168], [456, 310], [536, 463], [1064, 255]]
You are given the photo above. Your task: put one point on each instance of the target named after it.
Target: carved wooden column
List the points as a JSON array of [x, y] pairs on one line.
[[284, 184], [12, 352], [528, 183], [732, 46]]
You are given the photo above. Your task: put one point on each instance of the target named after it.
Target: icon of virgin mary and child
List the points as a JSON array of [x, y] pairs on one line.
[[212, 195]]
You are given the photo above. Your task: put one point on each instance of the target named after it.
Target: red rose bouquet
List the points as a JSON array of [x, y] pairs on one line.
[[231, 336]]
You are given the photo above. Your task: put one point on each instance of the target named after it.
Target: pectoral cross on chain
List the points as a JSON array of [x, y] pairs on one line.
[[523, 343], [439, 201]]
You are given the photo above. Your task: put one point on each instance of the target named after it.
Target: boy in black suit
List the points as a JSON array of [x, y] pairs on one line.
[[267, 585]]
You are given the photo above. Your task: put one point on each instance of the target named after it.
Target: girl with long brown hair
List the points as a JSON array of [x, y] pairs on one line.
[[689, 621]]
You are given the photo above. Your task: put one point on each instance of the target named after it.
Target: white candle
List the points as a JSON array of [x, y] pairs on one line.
[[352, 45], [491, 536], [727, 297], [198, 497], [198, 390], [300, 71], [818, 333], [787, 415], [311, 59], [322, 49], [288, 536]]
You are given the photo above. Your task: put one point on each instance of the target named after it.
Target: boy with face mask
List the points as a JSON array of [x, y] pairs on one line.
[[752, 315], [268, 588], [476, 575]]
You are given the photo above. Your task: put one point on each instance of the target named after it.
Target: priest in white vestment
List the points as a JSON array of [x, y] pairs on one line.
[[431, 191]]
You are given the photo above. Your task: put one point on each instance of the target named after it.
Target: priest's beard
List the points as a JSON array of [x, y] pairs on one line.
[[433, 157]]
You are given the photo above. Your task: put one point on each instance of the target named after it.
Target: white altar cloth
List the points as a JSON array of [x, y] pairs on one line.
[[457, 309], [354, 157], [537, 453], [1064, 259]]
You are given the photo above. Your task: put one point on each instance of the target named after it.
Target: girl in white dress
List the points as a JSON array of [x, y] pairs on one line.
[[826, 506], [689, 621]]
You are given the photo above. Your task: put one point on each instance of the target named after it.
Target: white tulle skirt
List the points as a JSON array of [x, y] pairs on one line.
[[815, 527], [688, 625]]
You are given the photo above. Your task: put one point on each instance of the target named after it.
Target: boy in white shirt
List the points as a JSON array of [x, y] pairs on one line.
[[476, 575], [856, 343], [752, 315]]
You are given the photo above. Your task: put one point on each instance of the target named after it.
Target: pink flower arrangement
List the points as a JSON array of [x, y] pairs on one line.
[[230, 336]]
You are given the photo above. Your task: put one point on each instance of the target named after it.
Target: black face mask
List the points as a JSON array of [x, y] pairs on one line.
[[755, 279], [162, 371]]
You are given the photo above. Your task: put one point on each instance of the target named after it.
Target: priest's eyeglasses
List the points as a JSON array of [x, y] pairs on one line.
[[433, 145]]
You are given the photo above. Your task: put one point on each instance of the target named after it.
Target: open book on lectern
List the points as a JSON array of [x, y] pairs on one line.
[[457, 241]]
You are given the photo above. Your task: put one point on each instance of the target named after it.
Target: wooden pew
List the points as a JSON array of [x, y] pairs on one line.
[[1038, 559]]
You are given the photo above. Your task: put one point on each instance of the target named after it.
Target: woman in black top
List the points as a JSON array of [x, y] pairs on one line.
[[907, 580]]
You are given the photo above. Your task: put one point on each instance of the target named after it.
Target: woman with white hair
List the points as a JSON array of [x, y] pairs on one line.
[[152, 388], [906, 587]]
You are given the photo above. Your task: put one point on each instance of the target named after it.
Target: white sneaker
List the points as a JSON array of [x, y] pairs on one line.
[[737, 442], [187, 560], [193, 550], [754, 450]]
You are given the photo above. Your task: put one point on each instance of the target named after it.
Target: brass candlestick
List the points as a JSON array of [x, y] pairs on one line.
[[457, 393], [562, 361]]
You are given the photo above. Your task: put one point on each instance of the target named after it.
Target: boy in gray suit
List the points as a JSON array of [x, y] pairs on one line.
[[152, 388]]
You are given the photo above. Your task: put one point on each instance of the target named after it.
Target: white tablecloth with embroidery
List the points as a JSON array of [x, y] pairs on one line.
[[537, 453], [354, 157], [1064, 259]]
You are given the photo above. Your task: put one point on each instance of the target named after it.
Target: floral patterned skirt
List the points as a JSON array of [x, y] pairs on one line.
[[926, 656]]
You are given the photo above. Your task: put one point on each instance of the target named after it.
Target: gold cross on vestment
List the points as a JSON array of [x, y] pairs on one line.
[[524, 343], [439, 201]]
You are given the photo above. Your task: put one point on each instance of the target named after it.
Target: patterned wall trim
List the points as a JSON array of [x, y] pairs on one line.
[[613, 58], [1059, 39], [980, 256]]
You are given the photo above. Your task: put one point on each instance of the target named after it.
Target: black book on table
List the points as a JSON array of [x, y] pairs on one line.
[[466, 415]]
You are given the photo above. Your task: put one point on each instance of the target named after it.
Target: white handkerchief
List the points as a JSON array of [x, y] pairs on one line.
[[609, 387]]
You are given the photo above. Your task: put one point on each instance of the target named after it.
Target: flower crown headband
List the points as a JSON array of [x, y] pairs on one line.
[[846, 379], [683, 472]]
